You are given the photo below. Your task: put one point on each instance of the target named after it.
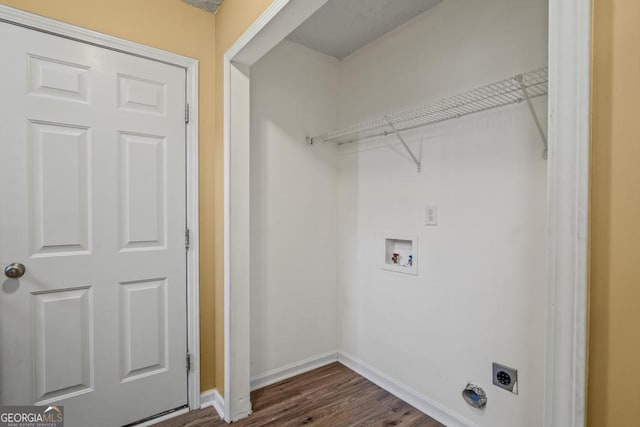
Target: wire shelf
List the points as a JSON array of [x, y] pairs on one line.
[[505, 92]]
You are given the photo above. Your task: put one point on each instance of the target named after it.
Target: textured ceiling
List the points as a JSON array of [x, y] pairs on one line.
[[341, 27], [208, 5]]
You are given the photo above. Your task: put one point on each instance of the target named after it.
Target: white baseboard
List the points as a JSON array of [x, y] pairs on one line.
[[213, 398], [403, 392], [293, 369]]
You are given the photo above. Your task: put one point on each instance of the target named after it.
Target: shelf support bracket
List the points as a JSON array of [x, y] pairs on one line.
[[527, 98], [413, 156]]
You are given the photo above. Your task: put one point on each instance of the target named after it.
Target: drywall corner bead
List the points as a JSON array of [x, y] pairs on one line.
[[208, 5]]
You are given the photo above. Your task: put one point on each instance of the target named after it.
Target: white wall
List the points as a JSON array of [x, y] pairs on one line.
[[294, 217], [319, 215], [455, 46], [479, 296]]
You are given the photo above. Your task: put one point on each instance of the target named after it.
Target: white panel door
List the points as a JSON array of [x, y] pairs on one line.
[[92, 173]]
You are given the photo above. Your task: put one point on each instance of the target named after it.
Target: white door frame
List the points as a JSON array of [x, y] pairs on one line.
[[567, 197], [57, 28]]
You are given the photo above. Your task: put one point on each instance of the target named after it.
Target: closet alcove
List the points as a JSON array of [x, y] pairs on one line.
[[364, 117]]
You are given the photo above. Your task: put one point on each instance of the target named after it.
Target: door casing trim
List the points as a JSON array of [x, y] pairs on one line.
[[83, 35]]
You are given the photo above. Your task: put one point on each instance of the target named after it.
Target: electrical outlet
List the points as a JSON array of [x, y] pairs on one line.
[[431, 215], [505, 377]]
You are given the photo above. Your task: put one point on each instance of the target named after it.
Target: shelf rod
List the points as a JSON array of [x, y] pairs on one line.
[[413, 156], [527, 98], [515, 89], [418, 126]]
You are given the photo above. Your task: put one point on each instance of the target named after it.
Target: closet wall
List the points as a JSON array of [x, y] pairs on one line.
[[294, 214], [320, 213], [480, 292]]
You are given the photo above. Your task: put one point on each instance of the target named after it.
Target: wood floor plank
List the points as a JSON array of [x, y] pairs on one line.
[[330, 396]]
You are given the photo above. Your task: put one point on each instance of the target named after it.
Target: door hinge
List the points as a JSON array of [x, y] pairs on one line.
[[186, 113], [187, 238], [188, 361]]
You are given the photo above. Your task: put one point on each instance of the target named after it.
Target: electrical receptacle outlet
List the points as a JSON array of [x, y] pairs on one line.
[[505, 377], [431, 215]]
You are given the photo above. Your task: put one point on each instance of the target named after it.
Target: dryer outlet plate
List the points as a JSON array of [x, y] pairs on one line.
[[505, 377]]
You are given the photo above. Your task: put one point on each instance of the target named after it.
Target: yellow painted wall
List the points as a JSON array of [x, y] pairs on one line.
[[615, 236], [614, 340], [174, 26], [233, 19]]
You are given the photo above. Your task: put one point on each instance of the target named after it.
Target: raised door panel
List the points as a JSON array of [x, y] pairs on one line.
[[143, 328], [141, 95], [63, 341], [143, 178], [58, 79], [60, 183]]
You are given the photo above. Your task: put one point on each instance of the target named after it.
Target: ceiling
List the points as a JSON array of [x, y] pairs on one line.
[[341, 27], [208, 5]]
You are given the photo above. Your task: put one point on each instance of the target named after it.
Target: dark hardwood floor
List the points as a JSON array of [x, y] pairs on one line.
[[332, 396]]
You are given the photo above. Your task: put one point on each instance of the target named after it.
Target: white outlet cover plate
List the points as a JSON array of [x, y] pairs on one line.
[[431, 215]]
